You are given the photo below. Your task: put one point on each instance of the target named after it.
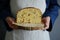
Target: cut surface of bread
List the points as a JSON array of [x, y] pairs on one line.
[[29, 17]]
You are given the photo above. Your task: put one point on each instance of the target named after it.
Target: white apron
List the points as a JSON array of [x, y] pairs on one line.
[[25, 34]]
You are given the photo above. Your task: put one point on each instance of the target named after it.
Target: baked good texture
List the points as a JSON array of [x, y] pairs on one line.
[[29, 16]]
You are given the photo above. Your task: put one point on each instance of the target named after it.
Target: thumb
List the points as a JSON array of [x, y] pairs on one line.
[[10, 19]]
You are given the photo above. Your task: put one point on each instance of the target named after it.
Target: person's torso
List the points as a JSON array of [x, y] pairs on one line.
[[19, 4]]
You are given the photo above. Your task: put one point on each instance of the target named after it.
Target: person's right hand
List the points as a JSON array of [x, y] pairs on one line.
[[46, 21], [10, 22]]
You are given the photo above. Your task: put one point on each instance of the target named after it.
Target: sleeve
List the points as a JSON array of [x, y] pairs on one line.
[[52, 11], [4, 9], [5, 12]]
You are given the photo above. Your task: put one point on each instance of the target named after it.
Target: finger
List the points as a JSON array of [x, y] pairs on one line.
[[46, 26], [10, 22], [13, 26]]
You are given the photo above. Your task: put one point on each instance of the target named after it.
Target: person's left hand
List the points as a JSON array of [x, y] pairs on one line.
[[46, 22]]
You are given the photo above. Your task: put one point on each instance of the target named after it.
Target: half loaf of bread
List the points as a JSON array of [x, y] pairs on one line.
[[29, 17]]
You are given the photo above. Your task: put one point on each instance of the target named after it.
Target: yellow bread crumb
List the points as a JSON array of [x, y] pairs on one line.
[[29, 15]]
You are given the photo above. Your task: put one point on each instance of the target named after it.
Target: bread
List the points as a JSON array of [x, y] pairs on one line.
[[29, 19], [29, 15]]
